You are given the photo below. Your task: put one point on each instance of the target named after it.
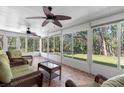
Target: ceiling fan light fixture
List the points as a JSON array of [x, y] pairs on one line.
[[28, 30], [50, 20], [50, 8]]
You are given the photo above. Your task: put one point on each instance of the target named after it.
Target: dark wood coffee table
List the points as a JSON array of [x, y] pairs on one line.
[[49, 70]]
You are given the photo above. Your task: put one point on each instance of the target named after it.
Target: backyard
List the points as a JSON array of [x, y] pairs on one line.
[[100, 59], [104, 48]]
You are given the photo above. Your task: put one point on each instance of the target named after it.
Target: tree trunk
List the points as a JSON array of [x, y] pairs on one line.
[[104, 48]]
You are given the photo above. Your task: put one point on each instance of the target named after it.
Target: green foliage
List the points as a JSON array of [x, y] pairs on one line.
[[57, 44], [11, 48], [54, 44], [105, 40], [22, 44], [80, 42], [36, 45], [11, 43], [67, 43], [51, 44], [44, 45], [30, 45], [122, 41]]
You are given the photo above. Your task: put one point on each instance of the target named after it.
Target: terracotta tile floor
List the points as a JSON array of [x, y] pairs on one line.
[[79, 77]]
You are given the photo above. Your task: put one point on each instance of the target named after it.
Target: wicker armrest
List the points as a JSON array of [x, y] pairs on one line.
[[28, 80], [28, 56], [17, 61], [100, 79], [70, 83]]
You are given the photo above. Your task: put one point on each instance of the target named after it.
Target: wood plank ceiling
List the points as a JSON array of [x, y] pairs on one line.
[[13, 17]]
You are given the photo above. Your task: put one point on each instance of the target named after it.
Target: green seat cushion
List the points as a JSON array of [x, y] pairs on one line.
[[15, 53], [5, 71], [21, 70], [117, 81], [92, 84], [17, 69]]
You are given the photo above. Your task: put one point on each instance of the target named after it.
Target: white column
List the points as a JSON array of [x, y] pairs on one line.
[[119, 45], [61, 46], [72, 44], [54, 43], [18, 43], [40, 45], [33, 44], [90, 47], [5, 43], [47, 44], [26, 44]]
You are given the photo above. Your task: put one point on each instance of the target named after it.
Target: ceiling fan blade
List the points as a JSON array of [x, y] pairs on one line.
[[45, 23], [38, 17], [56, 22], [47, 11], [62, 17]]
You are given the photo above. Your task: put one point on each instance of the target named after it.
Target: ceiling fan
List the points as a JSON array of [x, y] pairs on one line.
[[50, 17]]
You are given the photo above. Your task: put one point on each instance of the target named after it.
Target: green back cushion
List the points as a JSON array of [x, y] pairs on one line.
[[1, 52], [117, 81], [5, 71], [15, 54]]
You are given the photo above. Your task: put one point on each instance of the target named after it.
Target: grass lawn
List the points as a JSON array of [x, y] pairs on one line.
[[105, 60], [100, 59]]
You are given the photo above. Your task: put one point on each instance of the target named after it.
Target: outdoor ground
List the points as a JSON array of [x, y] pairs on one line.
[[100, 59]]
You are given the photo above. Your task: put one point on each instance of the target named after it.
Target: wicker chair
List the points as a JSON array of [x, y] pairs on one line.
[[16, 58], [23, 75]]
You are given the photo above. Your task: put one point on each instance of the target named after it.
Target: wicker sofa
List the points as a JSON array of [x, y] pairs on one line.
[[98, 81], [22, 75], [101, 81]]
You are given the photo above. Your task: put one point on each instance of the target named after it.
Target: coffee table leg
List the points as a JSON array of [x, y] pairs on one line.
[[60, 74], [50, 79], [38, 67]]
